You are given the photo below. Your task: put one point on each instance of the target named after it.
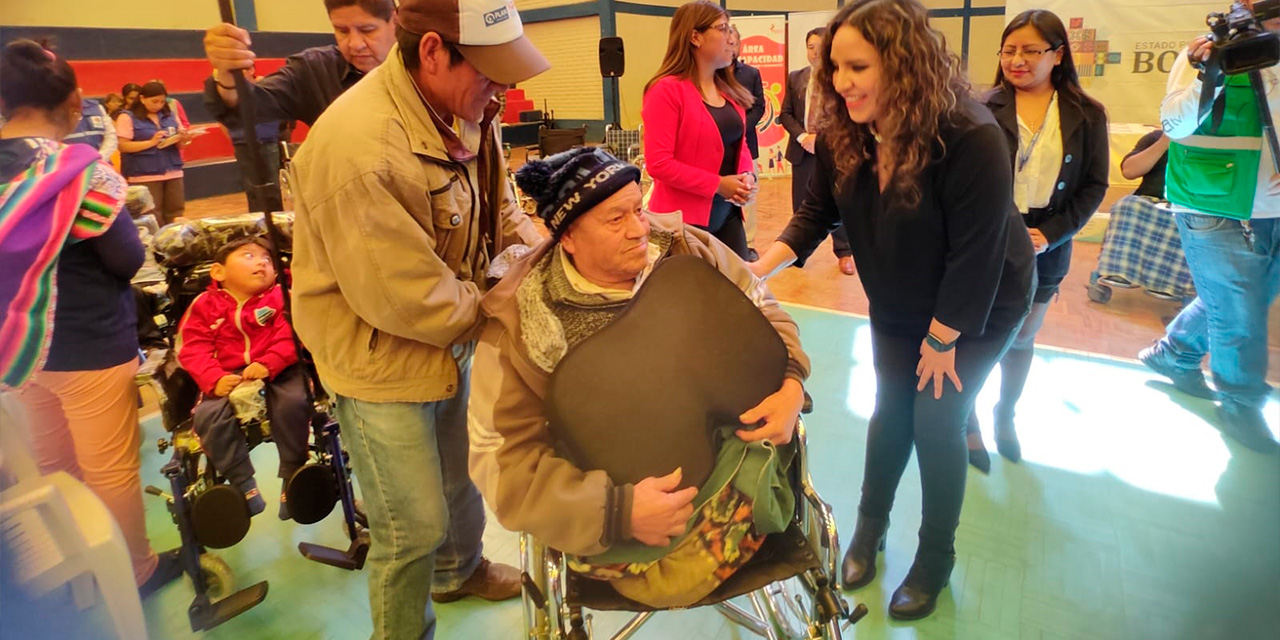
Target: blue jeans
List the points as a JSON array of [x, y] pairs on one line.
[[426, 518], [1236, 281]]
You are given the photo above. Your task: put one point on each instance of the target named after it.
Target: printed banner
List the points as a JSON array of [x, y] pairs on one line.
[[1124, 50], [764, 47]]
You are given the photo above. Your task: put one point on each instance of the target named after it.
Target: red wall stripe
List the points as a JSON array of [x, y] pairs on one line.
[[100, 77]]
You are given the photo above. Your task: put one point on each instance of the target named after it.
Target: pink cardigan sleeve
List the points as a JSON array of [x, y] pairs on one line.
[[661, 115]]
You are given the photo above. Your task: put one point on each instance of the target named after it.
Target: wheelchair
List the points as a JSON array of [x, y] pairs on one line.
[[806, 555], [209, 513], [624, 144]]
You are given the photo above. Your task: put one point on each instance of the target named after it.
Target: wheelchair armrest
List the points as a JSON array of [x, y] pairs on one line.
[[147, 370]]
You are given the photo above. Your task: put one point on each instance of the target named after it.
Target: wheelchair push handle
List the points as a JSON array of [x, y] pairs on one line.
[[257, 165], [258, 178], [260, 182]]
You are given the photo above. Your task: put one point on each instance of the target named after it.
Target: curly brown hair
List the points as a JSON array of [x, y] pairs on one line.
[[921, 85]]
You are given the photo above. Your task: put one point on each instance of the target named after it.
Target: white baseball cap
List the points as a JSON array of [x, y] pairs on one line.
[[487, 32]]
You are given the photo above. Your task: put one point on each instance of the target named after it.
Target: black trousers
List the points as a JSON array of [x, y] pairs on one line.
[[801, 172], [220, 435], [904, 418], [726, 225]]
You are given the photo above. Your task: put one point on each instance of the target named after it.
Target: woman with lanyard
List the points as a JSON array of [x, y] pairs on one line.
[[1058, 135], [149, 134], [695, 143], [904, 162]]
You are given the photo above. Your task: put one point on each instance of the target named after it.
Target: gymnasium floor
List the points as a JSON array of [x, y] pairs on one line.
[[1131, 516]]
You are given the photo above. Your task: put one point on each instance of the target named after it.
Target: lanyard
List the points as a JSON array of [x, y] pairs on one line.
[[1025, 156]]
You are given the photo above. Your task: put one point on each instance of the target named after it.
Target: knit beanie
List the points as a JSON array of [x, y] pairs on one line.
[[569, 184]]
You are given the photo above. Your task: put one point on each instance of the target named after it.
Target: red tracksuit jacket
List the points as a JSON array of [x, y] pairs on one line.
[[219, 336]]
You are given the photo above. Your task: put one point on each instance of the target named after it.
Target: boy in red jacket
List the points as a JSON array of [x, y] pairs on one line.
[[233, 334]]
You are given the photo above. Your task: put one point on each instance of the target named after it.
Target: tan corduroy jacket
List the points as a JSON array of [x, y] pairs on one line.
[[392, 239]]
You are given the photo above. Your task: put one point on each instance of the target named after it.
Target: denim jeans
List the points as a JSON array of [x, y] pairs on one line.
[[1236, 278], [426, 518]]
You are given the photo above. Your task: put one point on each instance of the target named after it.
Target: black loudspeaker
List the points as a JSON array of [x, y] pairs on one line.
[[612, 62]]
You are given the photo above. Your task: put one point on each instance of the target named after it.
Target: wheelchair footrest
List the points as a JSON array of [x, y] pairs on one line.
[[207, 615], [352, 559], [859, 612]]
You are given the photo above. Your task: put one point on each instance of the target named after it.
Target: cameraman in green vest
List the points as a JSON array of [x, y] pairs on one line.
[[1224, 192]]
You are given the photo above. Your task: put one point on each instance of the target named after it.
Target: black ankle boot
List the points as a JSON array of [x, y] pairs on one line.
[[918, 594], [859, 567], [978, 457], [1007, 436]]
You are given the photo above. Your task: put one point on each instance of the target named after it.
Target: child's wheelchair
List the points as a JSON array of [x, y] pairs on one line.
[[806, 554], [209, 512]]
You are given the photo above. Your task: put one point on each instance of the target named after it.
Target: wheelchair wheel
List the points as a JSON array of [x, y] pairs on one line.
[[218, 578], [312, 491], [792, 609], [220, 517], [1099, 293]]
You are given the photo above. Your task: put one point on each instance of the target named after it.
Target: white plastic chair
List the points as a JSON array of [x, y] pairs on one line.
[[59, 532]]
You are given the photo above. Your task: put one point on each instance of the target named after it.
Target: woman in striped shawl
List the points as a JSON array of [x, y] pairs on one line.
[[68, 343]]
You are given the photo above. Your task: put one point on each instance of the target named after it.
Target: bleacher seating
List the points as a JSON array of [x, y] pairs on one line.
[[210, 158], [519, 124]]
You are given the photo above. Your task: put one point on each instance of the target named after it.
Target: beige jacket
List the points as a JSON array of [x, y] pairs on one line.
[[531, 488], [390, 242]]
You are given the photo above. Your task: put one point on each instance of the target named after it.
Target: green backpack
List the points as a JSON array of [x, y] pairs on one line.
[[1221, 181]]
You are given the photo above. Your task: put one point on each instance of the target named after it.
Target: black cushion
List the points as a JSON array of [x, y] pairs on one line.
[[645, 394]]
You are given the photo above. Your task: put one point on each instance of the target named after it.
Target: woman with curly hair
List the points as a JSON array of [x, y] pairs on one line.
[[915, 167]]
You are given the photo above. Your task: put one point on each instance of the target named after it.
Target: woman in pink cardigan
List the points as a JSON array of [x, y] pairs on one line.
[[695, 143]]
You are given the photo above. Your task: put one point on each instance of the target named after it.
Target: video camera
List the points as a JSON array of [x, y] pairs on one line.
[[1241, 43]]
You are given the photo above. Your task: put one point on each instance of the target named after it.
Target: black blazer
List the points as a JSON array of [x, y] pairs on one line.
[[1086, 161], [749, 77], [792, 114], [961, 255]]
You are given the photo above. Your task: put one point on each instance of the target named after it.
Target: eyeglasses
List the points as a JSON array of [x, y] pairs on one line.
[[722, 28], [1030, 55]]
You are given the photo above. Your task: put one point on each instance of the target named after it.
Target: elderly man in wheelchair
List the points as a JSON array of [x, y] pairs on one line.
[[648, 390]]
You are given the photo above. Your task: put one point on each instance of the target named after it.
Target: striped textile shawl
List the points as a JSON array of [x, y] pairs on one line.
[[48, 206]]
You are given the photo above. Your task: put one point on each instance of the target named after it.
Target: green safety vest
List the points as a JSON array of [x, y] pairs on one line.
[[1216, 172]]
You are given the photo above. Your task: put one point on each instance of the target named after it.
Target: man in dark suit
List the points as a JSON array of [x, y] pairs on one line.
[[803, 131], [749, 77]]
